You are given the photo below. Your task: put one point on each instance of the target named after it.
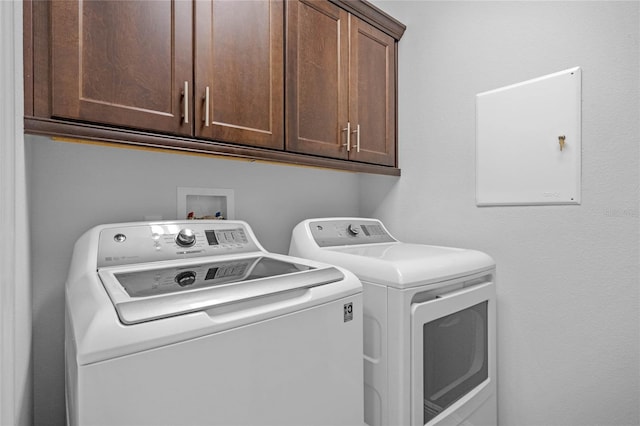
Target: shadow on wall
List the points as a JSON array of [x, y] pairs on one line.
[[377, 192]]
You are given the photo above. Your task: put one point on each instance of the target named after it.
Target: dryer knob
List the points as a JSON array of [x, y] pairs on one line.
[[186, 238], [353, 230]]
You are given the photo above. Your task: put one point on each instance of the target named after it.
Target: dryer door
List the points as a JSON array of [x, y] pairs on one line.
[[453, 354]]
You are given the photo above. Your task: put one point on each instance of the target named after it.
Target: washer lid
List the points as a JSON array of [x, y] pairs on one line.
[[405, 265], [150, 292]]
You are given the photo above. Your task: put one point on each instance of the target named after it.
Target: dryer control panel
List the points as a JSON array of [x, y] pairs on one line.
[[138, 243], [342, 232]]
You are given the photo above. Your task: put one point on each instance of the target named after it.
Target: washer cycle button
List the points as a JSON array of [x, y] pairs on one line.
[[186, 238]]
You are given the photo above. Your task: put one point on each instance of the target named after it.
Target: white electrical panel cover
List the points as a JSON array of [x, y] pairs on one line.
[[528, 142]]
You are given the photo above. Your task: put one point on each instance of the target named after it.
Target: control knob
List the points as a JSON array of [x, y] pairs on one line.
[[186, 278], [186, 238], [353, 230]]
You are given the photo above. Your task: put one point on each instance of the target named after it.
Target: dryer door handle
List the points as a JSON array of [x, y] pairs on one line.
[[464, 290]]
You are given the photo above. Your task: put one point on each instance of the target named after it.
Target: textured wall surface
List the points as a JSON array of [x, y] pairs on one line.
[[568, 278]]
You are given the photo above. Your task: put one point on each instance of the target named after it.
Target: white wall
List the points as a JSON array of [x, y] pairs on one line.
[[568, 277], [75, 186]]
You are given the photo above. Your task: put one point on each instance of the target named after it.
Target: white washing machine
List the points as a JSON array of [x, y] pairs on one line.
[[195, 323], [429, 322]]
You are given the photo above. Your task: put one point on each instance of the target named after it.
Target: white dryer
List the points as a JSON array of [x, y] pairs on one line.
[[195, 323], [429, 322]]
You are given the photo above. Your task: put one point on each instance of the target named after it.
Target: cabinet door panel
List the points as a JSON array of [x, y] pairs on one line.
[[240, 58], [122, 63], [317, 78], [372, 93]]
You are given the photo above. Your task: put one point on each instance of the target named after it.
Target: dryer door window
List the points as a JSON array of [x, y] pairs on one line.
[[452, 351], [454, 357]]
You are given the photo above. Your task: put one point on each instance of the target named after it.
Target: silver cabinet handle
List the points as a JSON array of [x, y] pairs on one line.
[[348, 130], [357, 132], [185, 96], [206, 107]]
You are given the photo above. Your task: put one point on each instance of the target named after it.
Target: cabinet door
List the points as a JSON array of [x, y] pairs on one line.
[[317, 79], [239, 71], [372, 94], [123, 63]]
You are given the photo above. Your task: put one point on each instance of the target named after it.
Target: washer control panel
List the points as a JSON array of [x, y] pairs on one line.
[[138, 243], [344, 232]]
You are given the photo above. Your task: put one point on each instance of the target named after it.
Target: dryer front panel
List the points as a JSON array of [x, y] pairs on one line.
[[453, 354]]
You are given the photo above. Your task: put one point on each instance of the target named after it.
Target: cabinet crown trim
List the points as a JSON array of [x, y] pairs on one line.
[[374, 16]]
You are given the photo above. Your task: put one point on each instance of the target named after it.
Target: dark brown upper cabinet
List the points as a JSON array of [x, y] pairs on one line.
[[239, 72], [317, 78], [340, 85], [123, 63], [212, 77], [372, 95]]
